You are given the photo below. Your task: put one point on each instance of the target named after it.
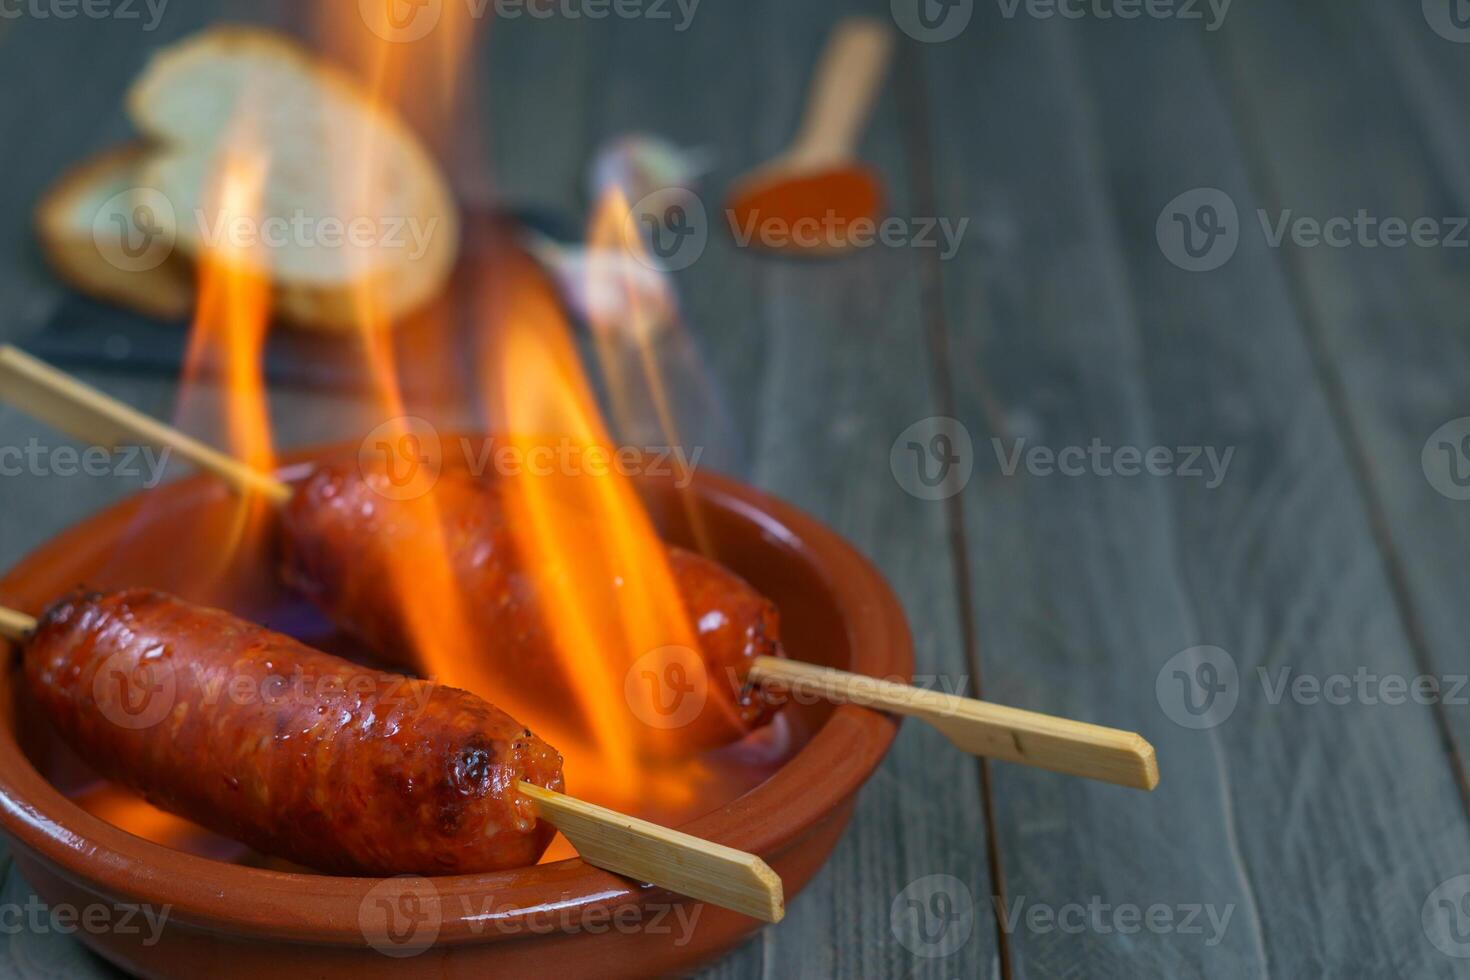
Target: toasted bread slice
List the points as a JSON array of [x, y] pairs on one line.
[[89, 200], [341, 204]]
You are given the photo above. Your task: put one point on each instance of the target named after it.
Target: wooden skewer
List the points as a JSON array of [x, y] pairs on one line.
[[688, 865], [15, 625], [87, 414], [977, 727], [982, 728], [622, 844]]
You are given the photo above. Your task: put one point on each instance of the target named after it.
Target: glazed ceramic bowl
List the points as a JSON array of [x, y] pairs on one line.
[[563, 919]]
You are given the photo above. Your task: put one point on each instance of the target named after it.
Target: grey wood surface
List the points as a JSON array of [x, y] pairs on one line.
[[1319, 829]]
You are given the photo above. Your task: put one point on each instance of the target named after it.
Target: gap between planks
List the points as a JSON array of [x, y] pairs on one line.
[[917, 133]]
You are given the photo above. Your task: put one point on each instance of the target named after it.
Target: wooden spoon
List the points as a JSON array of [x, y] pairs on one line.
[[807, 198]]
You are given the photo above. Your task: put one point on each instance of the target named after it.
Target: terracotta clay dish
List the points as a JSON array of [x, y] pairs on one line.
[[229, 919]]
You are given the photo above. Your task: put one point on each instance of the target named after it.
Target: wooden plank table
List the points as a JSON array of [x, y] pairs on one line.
[[1250, 603]]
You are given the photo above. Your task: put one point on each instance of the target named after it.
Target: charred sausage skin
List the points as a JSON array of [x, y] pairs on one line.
[[294, 752], [339, 539]]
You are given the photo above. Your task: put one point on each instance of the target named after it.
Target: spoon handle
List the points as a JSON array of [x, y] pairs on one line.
[[842, 92]]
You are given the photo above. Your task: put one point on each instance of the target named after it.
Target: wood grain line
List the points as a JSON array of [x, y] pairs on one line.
[[918, 139]]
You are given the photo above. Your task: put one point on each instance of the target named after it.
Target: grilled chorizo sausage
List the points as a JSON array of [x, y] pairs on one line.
[[294, 752], [343, 536]]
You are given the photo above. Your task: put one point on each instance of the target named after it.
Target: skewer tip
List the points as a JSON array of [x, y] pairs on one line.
[[1146, 776], [15, 625], [671, 859]]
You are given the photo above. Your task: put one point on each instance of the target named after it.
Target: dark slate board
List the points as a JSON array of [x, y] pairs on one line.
[[86, 334]]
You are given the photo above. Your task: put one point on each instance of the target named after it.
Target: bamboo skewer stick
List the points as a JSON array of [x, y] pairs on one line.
[[85, 413], [981, 728], [978, 727], [15, 625], [622, 844], [688, 865]]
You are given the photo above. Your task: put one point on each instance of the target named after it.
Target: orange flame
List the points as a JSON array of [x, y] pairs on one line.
[[121, 808], [588, 549], [223, 387], [604, 573], [627, 335], [582, 535]]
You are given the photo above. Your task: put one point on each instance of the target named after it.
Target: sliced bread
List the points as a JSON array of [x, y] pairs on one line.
[[82, 220]]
